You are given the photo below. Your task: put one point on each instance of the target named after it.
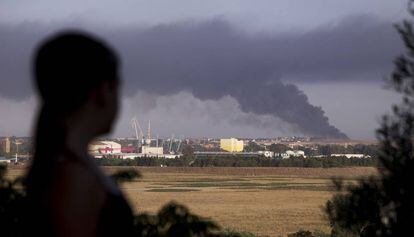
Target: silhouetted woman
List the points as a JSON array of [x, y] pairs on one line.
[[78, 81]]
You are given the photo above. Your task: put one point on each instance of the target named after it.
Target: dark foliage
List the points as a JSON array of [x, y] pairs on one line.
[[237, 161], [12, 198], [252, 147], [126, 175], [305, 233], [384, 206], [172, 220], [301, 233]]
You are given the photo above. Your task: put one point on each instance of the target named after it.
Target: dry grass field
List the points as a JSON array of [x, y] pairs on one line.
[[264, 201]]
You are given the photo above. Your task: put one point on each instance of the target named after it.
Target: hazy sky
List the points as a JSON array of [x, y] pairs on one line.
[[267, 15], [235, 68]]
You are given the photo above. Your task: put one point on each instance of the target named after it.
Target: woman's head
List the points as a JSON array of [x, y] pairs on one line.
[[77, 79], [73, 70]]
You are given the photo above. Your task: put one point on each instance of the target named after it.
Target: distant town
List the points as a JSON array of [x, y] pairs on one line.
[[19, 149]]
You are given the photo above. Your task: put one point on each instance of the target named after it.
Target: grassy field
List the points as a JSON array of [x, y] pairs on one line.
[[264, 201]]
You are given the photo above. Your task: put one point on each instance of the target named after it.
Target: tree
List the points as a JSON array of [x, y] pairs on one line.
[[12, 201], [175, 220], [253, 147], [188, 151], [278, 148], [383, 205]]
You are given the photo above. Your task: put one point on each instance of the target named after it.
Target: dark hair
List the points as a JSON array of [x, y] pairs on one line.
[[68, 67]]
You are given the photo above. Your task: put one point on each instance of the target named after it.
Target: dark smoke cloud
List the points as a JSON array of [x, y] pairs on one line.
[[212, 60]]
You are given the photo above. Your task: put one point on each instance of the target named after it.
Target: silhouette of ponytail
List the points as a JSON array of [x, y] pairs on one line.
[[68, 67]]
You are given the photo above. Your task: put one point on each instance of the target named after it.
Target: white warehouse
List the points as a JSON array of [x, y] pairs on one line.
[[104, 147], [293, 153]]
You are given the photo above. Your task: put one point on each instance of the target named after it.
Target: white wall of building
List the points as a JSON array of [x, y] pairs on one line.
[[104, 147]]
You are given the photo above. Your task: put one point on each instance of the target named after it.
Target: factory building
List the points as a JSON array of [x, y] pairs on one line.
[[104, 147], [5, 145], [149, 150], [231, 145], [293, 153]]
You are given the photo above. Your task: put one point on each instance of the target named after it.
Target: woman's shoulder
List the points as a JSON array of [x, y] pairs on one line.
[[76, 198], [73, 169], [116, 217], [71, 175]]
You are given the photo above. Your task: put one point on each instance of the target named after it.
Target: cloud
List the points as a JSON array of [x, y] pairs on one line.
[[212, 60]]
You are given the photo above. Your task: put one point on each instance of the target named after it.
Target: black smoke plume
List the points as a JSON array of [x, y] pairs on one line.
[[213, 59]]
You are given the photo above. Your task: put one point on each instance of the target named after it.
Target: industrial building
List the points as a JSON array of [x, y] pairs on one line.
[[149, 150], [200, 154], [293, 153], [145, 142], [5, 145], [231, 145], [145, 146], [104, 147]]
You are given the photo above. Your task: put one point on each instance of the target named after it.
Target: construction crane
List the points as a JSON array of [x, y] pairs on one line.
[[137, 126], [171, 141], [148, 140], [178, 147]]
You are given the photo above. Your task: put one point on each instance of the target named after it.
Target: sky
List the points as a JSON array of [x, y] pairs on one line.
[[221, 68]]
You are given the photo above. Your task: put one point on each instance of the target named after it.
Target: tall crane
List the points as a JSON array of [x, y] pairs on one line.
[[136, 126], [171, 141], [149, 133], [178, 147]]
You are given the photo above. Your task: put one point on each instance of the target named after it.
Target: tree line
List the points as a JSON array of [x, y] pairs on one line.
[[235, 161]]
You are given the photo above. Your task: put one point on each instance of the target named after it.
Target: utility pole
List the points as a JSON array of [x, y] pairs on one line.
[[17, 142], [149, 130]]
